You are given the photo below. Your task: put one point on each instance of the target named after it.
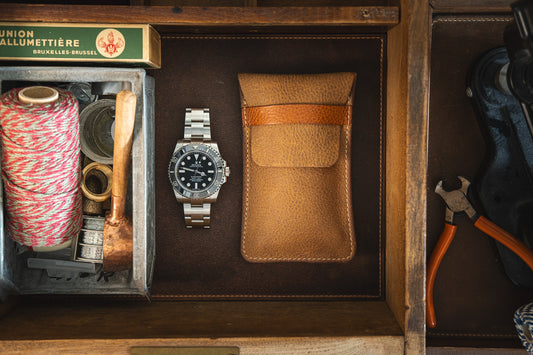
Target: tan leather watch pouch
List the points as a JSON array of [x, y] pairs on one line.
[[297, 188]]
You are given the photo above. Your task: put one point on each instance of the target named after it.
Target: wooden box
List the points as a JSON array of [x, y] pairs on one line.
[[389, 322]]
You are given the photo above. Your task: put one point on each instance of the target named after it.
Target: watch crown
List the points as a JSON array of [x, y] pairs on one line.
[[227, 171]]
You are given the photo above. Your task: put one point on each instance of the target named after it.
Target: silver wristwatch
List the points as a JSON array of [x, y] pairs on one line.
[[196, 170]]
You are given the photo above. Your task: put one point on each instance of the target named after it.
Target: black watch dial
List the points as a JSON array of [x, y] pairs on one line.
[[195, 171]]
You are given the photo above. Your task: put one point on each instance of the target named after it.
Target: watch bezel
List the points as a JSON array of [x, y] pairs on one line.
[[219, 171]]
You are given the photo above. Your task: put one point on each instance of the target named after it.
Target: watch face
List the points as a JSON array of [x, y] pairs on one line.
[[196, 171]]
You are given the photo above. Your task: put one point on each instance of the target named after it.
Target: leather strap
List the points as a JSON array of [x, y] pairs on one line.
[[296, 113]]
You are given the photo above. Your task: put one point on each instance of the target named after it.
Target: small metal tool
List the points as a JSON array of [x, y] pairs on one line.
[[458, 202]]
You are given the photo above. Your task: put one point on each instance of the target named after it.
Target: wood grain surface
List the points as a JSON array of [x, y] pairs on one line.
[[281, 346], [73, 318], [204, 16], [407, 103]]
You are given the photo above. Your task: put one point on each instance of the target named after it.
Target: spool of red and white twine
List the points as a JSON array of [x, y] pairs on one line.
[[41, 172]]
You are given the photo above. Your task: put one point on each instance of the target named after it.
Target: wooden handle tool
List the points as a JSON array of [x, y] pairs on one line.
[[118, 229]]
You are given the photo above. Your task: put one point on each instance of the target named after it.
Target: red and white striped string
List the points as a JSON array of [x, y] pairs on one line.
[[41, 169]]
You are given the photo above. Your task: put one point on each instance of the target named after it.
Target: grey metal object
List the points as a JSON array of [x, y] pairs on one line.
[[197, 141], [97, 121], [97, 124], [456, 200], [82, 92], [197, 125], [15, 276], [104, 88], [92, 237], [88, 246], [61, 268]]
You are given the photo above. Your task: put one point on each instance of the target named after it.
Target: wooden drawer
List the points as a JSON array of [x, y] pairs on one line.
[[474, 299], [390, 322]]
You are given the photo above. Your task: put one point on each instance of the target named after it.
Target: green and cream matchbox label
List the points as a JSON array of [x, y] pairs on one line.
[[121, 43]]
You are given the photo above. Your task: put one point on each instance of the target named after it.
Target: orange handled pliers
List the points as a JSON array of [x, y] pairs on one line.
[[456, 202]]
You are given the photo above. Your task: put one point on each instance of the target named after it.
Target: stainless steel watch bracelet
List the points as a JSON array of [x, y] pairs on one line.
[[197, 124], [197, 215], [197, 128]]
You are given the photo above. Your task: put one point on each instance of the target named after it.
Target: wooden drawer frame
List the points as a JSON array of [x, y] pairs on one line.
[[395, 325]]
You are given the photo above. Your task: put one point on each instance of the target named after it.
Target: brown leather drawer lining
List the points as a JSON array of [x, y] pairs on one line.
[[202, 71]]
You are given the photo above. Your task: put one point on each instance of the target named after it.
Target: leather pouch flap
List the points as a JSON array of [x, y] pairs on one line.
[[295, 145]]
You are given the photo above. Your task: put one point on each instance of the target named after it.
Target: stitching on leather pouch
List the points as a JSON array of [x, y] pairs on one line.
[[247, 130], [347, 128], [245, 208], [346, 166]]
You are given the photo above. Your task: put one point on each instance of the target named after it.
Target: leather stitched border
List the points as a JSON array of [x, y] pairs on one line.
[[347, 128]]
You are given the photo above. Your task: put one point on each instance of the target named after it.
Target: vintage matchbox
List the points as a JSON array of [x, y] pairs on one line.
[[61, 42]]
